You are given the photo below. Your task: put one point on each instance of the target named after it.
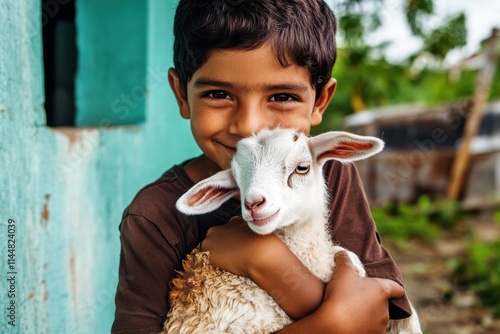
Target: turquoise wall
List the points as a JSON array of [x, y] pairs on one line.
[[117, 31], [63, 190]]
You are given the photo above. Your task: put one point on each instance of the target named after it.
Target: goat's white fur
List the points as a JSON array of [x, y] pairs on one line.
[[276, 198]]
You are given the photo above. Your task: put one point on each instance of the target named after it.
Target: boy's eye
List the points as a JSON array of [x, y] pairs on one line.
[[218, 94], [282, 98]]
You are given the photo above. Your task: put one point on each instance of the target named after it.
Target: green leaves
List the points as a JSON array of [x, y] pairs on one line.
[[451, 35], [357, 18], [440, 40], [417, 11], [424, 220], [367, 80], [352, 28], [480, 271]]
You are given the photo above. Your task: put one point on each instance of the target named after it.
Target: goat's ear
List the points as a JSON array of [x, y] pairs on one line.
[[343, 146], [209, 194]]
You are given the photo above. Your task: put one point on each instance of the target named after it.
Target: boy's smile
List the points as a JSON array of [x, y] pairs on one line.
[[238, 92]]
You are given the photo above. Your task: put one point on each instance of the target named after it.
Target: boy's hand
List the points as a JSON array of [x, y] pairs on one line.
[[231, 246], [360, 304], [267, 261], [352, 304]]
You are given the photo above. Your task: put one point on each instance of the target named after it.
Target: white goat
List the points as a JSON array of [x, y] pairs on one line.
[[278, 175]]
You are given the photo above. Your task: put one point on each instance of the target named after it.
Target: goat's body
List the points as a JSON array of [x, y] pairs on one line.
[[207, 300], [310, 243], [283, 192]]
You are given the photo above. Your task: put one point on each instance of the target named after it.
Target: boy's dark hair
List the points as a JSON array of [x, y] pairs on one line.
[[302, 32]]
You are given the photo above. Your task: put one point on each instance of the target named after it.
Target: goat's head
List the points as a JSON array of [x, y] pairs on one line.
[[278, 175]]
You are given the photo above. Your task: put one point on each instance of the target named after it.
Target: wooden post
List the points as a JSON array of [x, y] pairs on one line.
[[462, 159]]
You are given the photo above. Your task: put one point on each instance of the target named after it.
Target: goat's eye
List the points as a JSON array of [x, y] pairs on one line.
[[302, 168]]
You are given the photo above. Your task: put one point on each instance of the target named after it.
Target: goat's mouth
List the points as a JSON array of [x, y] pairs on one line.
[[258, 221]]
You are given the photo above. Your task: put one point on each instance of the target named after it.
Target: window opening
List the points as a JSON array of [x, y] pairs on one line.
[[59, 60]]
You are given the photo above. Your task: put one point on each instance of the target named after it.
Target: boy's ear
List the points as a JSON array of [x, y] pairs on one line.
[[322, 102], [180, 94]]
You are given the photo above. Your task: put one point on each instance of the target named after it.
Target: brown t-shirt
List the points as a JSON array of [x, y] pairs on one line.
[[156, 237]]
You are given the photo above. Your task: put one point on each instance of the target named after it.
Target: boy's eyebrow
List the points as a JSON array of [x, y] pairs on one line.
[[288, 86], [204, 82]]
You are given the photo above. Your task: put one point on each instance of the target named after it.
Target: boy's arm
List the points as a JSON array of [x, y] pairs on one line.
[[348, 297], [268, 262], [350, 304], [352, 227], [147, 263]]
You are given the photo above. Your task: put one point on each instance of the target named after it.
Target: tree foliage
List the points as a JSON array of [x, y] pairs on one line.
[[366, 79], [416, 12], [359, 17]]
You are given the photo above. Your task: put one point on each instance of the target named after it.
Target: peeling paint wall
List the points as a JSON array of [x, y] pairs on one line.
[[62, 191]]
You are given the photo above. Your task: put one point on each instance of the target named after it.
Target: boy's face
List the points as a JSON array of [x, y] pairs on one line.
[[236, 93]]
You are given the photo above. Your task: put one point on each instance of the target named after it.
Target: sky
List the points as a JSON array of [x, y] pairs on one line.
[[481, 16]]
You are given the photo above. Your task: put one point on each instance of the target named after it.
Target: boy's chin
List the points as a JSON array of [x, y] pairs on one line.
[[215, 164]]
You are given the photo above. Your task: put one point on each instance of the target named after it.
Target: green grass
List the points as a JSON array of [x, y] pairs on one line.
[[480, 271], [423, 220]]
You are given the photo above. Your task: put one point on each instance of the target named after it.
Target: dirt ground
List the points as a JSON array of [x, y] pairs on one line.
[[430, 281]]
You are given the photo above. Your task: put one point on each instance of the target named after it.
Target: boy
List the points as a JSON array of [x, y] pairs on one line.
[[241, 66]]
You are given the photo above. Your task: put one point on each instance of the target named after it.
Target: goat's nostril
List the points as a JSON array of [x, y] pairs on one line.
[[254, 202]]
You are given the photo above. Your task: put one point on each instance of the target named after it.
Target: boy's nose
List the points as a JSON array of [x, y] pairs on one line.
[[247, 120]]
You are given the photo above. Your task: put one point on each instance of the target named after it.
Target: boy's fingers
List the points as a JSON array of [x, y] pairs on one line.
[[342, 259], [388, 287], [234, 218], [391, 289]]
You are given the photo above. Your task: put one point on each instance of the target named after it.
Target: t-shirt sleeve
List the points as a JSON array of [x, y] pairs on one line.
[[147, 264], [353, 228]]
